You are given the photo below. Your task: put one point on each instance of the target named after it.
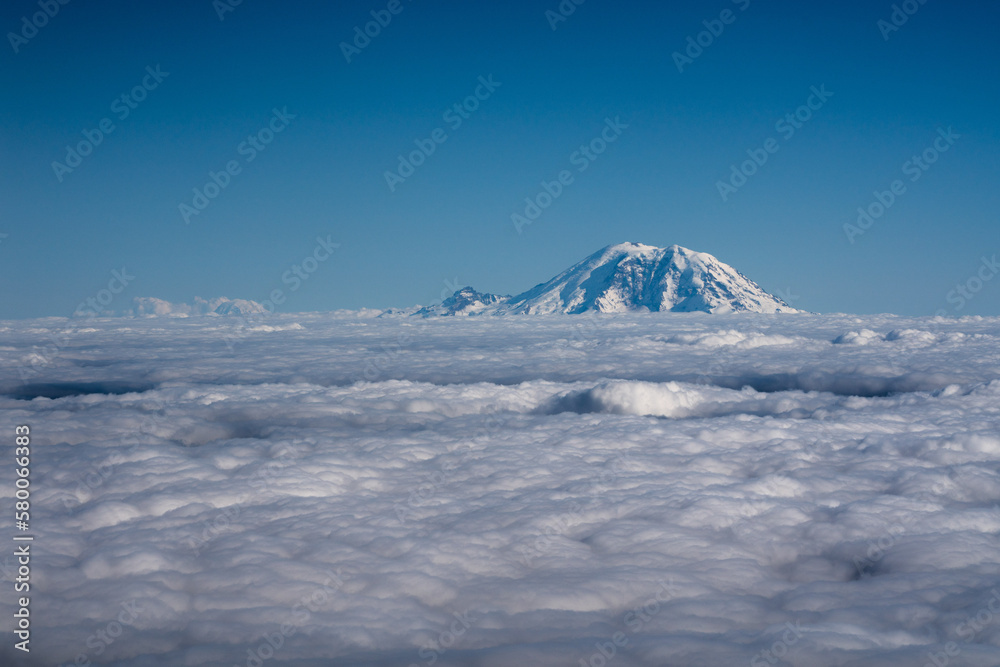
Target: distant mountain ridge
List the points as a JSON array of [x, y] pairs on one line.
[[148, 306], [465, 301], [627, 277]]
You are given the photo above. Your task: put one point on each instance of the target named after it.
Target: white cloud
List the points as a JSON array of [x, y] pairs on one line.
[[372, 481]]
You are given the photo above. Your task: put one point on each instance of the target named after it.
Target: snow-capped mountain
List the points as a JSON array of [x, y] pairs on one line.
[[465, 301], [629, 277], [151, 306]]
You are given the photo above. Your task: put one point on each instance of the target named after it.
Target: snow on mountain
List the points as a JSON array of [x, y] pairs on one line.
[[239, 307], [465, 301], [147, 305], [630, 277]]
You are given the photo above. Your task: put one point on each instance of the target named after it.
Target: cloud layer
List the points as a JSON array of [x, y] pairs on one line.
[[646, 490]]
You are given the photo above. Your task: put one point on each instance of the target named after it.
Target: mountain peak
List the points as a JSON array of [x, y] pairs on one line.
[[631, 249], [626, 277], [465, 301]]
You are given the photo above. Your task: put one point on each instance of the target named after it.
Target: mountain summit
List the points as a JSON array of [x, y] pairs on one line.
[[628, 277]]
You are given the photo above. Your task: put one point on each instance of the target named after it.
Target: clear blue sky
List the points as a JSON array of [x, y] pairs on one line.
[[657, 183]]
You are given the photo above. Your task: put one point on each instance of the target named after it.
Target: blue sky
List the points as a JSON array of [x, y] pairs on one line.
[[344, 124]]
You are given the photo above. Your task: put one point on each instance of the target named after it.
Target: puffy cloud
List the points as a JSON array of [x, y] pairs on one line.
[[334, 489]]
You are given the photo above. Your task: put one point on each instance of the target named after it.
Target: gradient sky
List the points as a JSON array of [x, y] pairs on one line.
[[323, 175]]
